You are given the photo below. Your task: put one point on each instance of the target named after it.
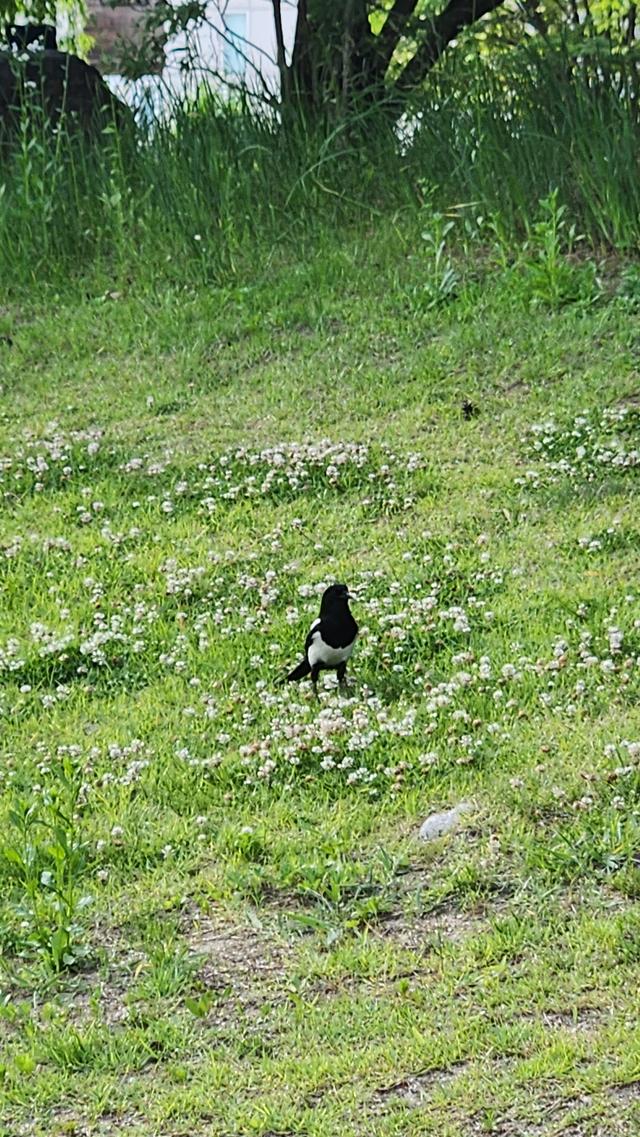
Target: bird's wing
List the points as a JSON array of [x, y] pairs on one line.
[[312, 631]]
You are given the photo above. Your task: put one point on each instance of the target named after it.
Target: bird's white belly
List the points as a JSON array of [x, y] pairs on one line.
[[320, 652]]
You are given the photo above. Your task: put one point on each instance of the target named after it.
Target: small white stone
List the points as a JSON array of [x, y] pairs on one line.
[[439, 824]]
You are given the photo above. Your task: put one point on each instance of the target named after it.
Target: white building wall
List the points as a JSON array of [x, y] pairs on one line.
[[251, 25], [218, 54]]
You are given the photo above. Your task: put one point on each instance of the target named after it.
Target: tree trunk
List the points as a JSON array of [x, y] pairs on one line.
[[331, 70], [339, 66]]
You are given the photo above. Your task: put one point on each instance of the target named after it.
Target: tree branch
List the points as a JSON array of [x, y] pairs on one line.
[[281, 58], [393, 27], [630, 34], [301, 70], [534, 16], [302, 29], [458, 14]]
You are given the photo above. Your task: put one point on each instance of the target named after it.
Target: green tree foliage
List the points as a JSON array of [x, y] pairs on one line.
[[36, 11]]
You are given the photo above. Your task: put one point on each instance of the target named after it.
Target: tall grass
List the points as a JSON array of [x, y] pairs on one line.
[[192, 196], [212, 188], [505, 137]]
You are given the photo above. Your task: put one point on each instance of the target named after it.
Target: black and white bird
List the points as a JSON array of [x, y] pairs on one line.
[[331, 638]]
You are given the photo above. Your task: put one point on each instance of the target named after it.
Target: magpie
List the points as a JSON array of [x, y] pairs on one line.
[[331, 638]]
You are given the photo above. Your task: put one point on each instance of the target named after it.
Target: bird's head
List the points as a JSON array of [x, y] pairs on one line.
[[335, 596]]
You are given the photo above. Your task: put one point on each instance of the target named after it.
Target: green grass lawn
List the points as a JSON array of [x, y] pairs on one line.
[[215, 914]]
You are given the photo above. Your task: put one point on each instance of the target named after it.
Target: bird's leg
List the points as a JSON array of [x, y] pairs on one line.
[[342, 677], [315, 671]]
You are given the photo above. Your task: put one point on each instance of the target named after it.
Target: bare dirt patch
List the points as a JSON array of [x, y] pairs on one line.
[[415, 1089], [421, 933], [579, 1020], [626, 1092], [245, 962]]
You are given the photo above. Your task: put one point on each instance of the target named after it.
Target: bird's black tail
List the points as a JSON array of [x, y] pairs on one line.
[[300, 671]]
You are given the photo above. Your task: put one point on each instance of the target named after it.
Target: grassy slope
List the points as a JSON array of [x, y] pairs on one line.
[[284, 957]]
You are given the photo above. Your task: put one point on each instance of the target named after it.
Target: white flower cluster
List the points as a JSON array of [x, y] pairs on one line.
[[595, 443]]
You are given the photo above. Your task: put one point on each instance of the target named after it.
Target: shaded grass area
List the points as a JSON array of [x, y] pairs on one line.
[[215, 914]]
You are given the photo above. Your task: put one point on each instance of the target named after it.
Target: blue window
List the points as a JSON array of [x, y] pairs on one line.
[[235, 43]]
